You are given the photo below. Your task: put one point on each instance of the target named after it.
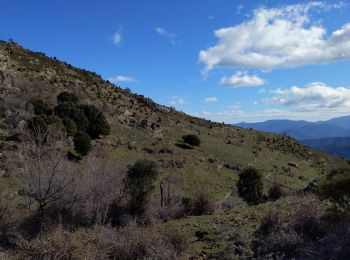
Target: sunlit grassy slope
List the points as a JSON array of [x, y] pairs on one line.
[[212, 168]]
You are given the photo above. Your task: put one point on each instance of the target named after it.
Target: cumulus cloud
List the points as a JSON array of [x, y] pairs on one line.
[[277, 38], [117, 39], [121, 78], [315, 101], [241, 80], [172, 37], [316, 96], [211, 100]]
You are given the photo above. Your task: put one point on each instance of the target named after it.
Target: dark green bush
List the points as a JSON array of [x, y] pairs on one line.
[[90, 111], [73, 112], [39, 124], [87, 118], [99, 127], [275, 192], [70, 125], [40, 107], [250, 185], [67, 97], [116, 213], [140, 182], [191, 139], [82, 143], [98, 124]]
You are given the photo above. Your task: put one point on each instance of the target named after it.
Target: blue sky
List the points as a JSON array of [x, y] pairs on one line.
[[223, 60]]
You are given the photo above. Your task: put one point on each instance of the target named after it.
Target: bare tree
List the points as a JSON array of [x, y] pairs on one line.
[[44, 173], [101, 183]]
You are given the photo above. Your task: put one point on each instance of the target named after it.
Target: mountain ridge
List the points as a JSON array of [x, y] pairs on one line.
[[311, 133]]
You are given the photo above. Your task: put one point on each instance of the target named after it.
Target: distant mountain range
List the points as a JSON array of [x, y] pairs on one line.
[[331, 136]]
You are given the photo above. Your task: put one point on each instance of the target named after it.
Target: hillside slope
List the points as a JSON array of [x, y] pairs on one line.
[[26, 75], [141, 129]]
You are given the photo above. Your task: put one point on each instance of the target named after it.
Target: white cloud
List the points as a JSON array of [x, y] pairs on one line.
[[315, 101], [117, 39], [315, 96], [177, 101], [211, 100], [121, 78], [242, 80], [172, 37], [239, 9], [276, 38]]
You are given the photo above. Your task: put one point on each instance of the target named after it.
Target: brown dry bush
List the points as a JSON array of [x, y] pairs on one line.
[[101, 242], [230, 202], [174, 210], [302, 232], [170, 206], [199, 204], [100, 185]]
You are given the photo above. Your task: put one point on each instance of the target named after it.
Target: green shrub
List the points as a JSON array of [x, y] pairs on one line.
[[99, 127], [82, 143], [67, 97], [250, 185], [275, 192], [87, 118], [40, 124], [191, 139], [73, 112], [40, 107], [98, 124], [116, 213], [336, 187], [70, 125], [140, 182]]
